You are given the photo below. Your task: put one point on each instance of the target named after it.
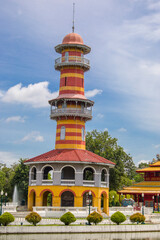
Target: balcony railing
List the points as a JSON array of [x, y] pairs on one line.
[[72, 60], [70, 182], [33, 182], [104, 184], [88, 183], [57, 112], [47, 182]]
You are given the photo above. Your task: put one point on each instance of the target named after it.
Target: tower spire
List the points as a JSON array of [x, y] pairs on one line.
[[73, 17]]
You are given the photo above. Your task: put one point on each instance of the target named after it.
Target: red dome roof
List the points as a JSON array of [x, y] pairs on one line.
[[70, 155], [72, 38]]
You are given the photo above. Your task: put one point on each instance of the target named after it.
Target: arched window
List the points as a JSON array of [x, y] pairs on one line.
[[66, 56], [63, 130], [48, 173], [104, 176], [88, 174], [33, 173], [68, 173], [83, 134]]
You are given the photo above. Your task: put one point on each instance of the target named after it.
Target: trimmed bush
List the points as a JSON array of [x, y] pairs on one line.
[[118, 217], [33, 218], [137, 217], [6, 218], [68, 218], [94, 217]]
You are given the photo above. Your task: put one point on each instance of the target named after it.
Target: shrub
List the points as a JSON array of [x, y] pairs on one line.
[[68, 218], [137, 217], [33, 218], [6, 218], [118, 217], [95, 218]]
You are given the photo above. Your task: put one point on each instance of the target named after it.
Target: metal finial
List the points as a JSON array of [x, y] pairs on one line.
[[73, 17]]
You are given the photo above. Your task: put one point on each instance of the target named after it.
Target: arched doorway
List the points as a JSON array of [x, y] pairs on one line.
[[47, 199], [104, 202], [87, 199], [67, 199]]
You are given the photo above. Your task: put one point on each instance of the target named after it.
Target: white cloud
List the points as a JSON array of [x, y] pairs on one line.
[[122, 130], [8, 158], [142, 161], [157, 146], [34, 137], [36, 95], [99, 115], [93, 93], [15, 119]]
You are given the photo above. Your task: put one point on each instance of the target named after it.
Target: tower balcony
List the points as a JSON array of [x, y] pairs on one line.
[[75, 112], [72, 61]]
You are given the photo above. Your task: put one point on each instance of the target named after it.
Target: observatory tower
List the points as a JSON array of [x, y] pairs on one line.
[[69, 174]]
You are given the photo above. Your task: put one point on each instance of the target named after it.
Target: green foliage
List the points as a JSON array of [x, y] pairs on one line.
[[95, 218], [137, 217], [105, 146], [68, 218], [138, 178], [6, 218], [118, 217], [49, 199], [33, 218], [113, 198], [21, 179]]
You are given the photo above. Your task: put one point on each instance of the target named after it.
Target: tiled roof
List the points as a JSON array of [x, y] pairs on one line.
[[142, 187], [70, 155], [149, 169]]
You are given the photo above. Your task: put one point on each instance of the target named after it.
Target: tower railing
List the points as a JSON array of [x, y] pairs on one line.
[[62, 61], [84, 112]]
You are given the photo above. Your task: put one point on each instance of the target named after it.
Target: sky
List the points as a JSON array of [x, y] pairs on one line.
[[124, 79]]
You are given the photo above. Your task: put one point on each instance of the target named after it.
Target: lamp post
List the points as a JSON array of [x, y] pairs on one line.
[[90, 193], [153, 203], [1, 202], [142, 203], [121, 198], [158, 201], [5, 198], [113, 201]]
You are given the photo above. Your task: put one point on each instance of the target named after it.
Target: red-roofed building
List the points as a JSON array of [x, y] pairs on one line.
[[69, 173]]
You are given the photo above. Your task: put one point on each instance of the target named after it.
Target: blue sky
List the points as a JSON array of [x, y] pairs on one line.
[[124, 79]]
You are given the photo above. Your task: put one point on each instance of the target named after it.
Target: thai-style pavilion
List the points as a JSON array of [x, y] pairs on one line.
[[147, 191], [70, 172]]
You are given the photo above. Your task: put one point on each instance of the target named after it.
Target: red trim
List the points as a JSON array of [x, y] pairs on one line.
[[72, 53], [104, 193], [72, 70], [70, 134], [88, 191], [70, 91], [79, 126], [71, 81], [45, 190], [70, 142], [33, 190], [67, 190]]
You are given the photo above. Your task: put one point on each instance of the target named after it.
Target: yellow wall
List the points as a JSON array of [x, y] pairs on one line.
[[77, 190]]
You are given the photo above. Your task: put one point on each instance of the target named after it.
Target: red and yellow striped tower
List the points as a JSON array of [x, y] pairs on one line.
[[71, 109]]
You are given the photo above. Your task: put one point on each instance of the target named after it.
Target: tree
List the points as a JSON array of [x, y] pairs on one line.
[[21, 179], [105, 146]]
